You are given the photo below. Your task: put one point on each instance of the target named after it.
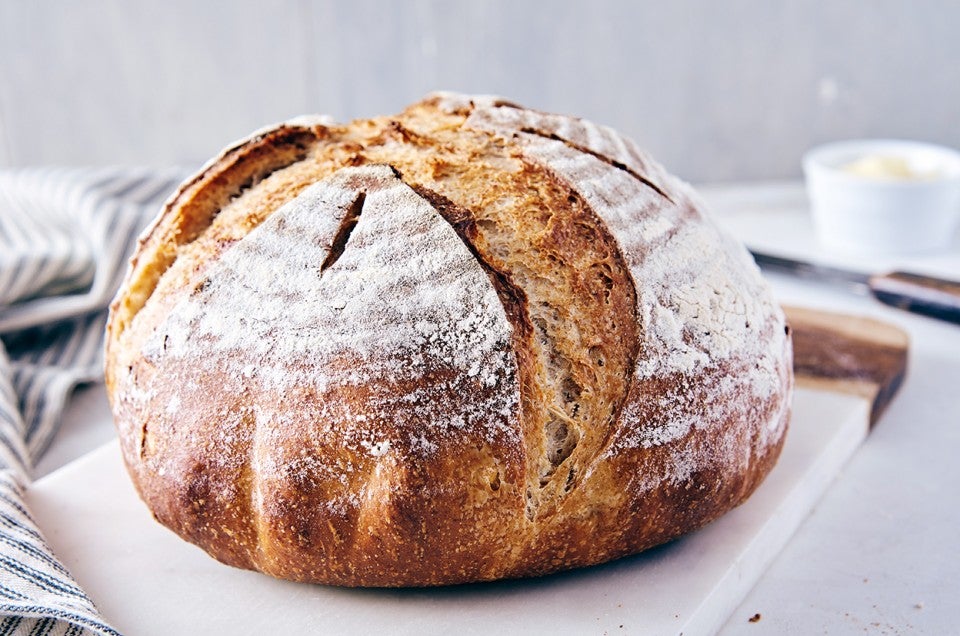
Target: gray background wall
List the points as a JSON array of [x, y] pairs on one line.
[[717, 90]]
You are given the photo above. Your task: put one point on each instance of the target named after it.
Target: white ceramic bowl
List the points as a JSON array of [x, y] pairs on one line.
[[866, 215]]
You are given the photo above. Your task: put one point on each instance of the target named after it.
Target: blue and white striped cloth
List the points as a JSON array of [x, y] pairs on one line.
[[65, 238]]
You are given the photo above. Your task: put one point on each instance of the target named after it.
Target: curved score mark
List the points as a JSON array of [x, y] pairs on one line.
[[602, 157]]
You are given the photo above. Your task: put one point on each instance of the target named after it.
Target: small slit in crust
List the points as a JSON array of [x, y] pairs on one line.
[[343, 233]]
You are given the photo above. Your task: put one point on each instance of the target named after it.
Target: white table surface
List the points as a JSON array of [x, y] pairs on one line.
[[880, 553]]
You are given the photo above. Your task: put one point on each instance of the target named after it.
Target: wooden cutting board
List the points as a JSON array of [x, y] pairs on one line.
[[147, 581], [848, 354]]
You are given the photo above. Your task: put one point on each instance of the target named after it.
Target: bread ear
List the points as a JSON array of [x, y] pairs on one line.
[[195, 204]]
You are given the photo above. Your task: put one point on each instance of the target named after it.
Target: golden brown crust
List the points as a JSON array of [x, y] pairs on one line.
[[465, 343]]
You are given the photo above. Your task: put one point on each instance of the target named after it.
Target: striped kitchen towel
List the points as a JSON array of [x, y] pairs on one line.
[[65, 238]]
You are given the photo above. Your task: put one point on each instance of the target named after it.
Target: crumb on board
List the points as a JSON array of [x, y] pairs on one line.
[[755, 618]]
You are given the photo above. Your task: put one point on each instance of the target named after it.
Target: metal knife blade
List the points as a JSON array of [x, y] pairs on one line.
[[855, 281], [926, 295]]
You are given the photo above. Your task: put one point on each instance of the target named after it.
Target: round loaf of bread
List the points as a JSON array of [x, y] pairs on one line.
[[468, 342]]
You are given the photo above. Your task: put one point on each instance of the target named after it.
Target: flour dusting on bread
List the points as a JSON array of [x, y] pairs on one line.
[[467, 342], [418, 311]]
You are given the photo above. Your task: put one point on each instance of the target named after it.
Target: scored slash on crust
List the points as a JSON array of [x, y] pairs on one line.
[[602, 157]]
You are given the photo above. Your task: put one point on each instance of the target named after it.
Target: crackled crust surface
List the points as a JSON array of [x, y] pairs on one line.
[[468, 342]]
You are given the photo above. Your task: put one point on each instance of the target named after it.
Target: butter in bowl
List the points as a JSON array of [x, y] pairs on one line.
[[876, 197]]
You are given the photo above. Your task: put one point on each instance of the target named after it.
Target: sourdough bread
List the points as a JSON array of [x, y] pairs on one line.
[[468, 342]]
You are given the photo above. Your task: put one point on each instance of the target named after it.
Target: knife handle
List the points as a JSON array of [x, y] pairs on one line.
[[934, 297]]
